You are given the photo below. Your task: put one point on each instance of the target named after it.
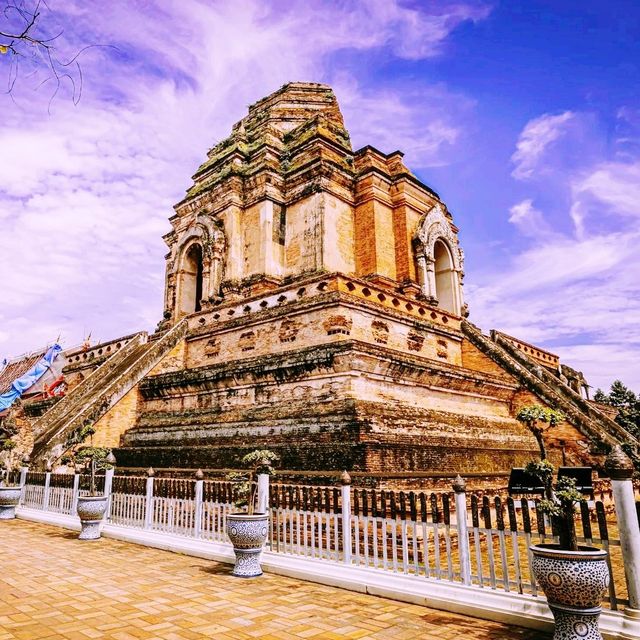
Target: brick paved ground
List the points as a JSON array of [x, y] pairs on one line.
[[55, 586]]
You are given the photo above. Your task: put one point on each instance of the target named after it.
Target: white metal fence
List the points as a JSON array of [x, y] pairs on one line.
[[475, 540]]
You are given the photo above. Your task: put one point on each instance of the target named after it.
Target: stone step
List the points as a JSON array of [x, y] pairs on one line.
[[590, 422], [108, 385], [76, 396]]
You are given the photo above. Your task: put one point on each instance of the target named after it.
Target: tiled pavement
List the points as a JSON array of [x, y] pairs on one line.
[[55, 586]]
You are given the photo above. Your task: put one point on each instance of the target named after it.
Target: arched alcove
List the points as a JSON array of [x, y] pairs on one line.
[[195, 269], [439, 261], [445, 277], [190, 280]]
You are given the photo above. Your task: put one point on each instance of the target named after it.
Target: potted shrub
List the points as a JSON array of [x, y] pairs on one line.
[[573, 578], [9, 497], [247, 529], [92, 507]]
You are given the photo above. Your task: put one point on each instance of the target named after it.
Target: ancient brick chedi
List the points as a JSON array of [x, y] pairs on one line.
[[314, 304]]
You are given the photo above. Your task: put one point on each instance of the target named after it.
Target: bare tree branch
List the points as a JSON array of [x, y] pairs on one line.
[[24, 41]]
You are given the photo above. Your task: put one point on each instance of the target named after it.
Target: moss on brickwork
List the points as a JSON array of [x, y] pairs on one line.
[[293, 456], [37, 408]]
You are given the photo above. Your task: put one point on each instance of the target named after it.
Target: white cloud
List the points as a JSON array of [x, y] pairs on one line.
[[615, 184], [577, 292], [566, 293], [529, 220], [534, 140], [411, 33], [420, 121]]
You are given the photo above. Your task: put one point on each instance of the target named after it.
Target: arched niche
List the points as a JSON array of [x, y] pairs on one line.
[[194, 276], [190, 280], [445, 276], [439, 261]]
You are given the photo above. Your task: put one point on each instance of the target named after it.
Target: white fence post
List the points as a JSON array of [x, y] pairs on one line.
[[24, 469], [197, 525], [346, 517], [148, 506], [620, 469], [47, 488], [75, 491], [263, 493], [108, 481], [108, 485], [459, 486]]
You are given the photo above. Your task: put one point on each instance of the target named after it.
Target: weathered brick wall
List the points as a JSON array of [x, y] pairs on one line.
[[252, 232], [81, 362], [473, 358], [357, 406], [405, 268], [313, 324], [390, 204], [339, 235], [120, 418], [300, 251], [17, 423], [365, 239], [175, 360], [385, 241]]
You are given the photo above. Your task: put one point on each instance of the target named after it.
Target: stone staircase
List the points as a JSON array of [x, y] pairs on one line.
[[588, 419], [100, 391]]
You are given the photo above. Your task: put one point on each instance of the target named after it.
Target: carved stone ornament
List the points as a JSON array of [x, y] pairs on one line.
[[435, 226], [247, 341], [415, 340], [212, 347], [380, 331], [337, 324], [288, 330], [207, 232], [618, 464], [459, 485]]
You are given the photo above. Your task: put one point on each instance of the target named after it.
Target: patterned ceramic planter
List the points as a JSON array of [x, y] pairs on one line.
[[9, 498], [247, 533], [574, 583], [91, 510]]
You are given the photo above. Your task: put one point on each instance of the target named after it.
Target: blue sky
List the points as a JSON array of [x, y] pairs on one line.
[[524, 116]]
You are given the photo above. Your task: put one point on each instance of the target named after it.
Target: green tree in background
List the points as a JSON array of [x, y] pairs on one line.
[[626, 402]]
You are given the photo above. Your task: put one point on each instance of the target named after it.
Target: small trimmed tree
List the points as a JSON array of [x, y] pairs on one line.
[[92, 458], [559, 501], [245, 484], [538, 420]]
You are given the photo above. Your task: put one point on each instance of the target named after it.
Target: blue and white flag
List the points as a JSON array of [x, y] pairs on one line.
[[26, 381]]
